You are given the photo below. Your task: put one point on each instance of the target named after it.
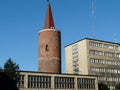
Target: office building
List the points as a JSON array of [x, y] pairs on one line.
[[94, 57]]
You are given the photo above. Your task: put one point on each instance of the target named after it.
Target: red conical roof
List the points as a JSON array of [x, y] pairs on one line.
[[49, 22]]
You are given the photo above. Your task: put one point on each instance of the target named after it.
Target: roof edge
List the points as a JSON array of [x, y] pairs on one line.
[[92, 39]]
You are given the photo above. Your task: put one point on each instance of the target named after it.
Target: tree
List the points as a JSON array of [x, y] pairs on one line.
[[117, 87], [1, 69], [6, 83], [12, 70], [102, 86]]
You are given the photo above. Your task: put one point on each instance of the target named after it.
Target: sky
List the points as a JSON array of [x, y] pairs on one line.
[[21, 20]]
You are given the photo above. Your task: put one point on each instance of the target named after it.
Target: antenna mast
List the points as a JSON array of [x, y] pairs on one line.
[[115, 37], [93, 18]]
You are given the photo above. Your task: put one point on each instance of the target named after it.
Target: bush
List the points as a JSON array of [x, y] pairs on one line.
[[6, 83], [102, 86]]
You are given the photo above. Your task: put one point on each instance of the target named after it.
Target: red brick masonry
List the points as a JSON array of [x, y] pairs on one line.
[[49, 51]]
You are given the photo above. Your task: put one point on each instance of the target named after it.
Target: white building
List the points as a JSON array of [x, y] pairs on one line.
[[94, 57]]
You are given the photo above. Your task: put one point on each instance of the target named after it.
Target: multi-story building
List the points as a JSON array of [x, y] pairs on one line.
[[94, 57], [47, 81]]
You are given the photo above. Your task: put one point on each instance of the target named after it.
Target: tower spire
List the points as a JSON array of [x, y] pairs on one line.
[[49, 22]]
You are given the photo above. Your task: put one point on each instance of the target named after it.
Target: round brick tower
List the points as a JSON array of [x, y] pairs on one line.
[[49, 46]]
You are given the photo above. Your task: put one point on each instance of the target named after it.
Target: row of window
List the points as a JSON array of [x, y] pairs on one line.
[[113, 79], [101, 53], [97, 69], [64, 79], [99, 61], [85, 83], [102, 61], [32, 78], [116, 79], [75, 49], [39, 81], [75, 59], [101, 78], [107, 46], [59, 82], [95, 52], [112, 70], [39, 85], [95, 44], [64, 82], [105, 70]]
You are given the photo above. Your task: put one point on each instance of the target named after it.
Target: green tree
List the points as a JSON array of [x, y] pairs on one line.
[[6, 83], [12, 70], [1, 69], [102, 86], [117, 87]]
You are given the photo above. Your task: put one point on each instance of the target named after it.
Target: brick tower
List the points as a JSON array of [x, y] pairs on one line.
[[49, 46]]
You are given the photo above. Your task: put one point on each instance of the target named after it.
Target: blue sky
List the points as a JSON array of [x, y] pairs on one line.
[[20, 21]]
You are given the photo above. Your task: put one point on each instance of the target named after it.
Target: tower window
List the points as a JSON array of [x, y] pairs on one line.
[[46, 48]]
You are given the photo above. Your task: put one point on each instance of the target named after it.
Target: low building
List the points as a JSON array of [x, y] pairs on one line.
[[94, 57], [46, 81]]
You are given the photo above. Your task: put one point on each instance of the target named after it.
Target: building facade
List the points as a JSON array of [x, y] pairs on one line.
[[49, 46], [46, 81], [94, 57]]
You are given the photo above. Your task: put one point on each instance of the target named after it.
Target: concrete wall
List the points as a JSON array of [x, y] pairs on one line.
[[25, 86], [49, 51]]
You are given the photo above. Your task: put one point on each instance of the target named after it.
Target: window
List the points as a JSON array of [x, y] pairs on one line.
[[109, 54], [111, 62], [85, 83], [118, 63], [64, 82], [109, 70], [75, 47], [21, 81], [118, 71], [95, 52], [39, 81], [118, 55], [107, 46], [95, 44], [101, 78], [117, 47], [46, 48], [97, 69]]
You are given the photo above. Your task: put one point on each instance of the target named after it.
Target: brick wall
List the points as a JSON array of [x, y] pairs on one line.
[[49, 51]]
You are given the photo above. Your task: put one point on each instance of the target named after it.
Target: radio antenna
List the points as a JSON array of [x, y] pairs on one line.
[[115, 37], [93, 18]]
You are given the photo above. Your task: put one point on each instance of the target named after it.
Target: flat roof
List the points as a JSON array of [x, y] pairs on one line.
[[57, 73], [92, 39]]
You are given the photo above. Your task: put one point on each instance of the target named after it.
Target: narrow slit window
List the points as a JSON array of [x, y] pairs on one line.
[[47, 48]]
